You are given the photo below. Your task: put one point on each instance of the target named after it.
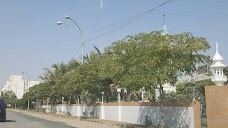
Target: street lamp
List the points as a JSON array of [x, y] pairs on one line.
[[102, 97], [62, 103], [193, 82], [28, 80], [78, 28], [28, 85], [47, 104], [142, 93], [118, 91]]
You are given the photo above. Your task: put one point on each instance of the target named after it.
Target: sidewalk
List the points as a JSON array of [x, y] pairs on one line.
[[73, 121]]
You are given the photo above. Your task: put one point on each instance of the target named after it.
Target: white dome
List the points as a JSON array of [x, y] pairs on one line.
[[217, 57]]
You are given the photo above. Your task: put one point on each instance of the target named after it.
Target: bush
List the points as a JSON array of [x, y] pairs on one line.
[[147, 120], [44, 110]]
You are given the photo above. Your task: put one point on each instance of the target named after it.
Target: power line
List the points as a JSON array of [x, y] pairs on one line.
[[130, 20], [71, 52], [126, 20], [124, 23], [137, 17], [200, 9], [215, 18]]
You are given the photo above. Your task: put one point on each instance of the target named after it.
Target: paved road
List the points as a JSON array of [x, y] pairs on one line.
[[23, 119]]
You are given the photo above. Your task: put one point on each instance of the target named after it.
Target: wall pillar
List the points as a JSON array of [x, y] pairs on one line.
[[119, 113], [217, 106], [102, 111]]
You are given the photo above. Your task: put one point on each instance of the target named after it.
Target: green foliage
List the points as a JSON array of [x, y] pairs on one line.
[[225, 70], [141, 60], [135, 62], [44, 110], [184, 92], [147, 121], [9, 97]]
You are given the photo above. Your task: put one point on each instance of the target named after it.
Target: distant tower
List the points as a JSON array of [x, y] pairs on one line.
[[217, 69], [164, 29]]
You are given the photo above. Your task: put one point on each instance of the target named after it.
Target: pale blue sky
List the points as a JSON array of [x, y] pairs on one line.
[[31, 40]]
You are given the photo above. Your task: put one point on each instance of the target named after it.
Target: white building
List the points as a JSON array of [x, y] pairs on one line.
[[18, 85]]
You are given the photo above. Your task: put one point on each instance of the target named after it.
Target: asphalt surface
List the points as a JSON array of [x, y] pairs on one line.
[[23, 119]]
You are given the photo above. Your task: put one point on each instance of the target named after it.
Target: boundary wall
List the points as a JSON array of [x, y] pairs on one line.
[[177, 115], [217, 106]]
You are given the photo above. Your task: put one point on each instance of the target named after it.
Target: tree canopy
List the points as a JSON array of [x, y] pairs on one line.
[[137, 61]]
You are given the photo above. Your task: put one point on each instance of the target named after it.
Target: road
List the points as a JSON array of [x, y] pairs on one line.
[[23, 119]]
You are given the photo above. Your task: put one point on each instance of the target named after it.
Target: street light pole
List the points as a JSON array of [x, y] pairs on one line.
[[102, 97], [78, 28], [28, 85], [118, 91], [193, 82], [28, 80], [62, 104]]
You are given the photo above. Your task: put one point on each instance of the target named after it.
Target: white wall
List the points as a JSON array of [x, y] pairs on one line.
[[175, 116]]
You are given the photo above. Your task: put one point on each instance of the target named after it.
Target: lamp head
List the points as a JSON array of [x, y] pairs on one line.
[[118, 90], [67, 17], [193, 82], [59, 23]]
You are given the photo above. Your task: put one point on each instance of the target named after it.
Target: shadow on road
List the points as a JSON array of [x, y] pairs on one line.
[[8, 121]]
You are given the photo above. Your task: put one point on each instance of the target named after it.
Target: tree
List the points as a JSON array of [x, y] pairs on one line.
[[9, 97], [146, 59], [54, 81], [225, 70]]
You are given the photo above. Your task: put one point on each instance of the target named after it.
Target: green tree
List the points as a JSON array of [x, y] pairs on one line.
[[146, 59], [142, 60], [55, 81], [225, 70], [9, 97]]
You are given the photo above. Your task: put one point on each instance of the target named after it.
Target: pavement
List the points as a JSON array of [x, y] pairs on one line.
[[73, 121]]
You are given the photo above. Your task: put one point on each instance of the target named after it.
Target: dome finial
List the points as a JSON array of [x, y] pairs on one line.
[[217, 46], [164, 18], [217, 57]]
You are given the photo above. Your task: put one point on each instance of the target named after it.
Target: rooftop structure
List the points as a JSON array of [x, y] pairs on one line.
[[217, 69]]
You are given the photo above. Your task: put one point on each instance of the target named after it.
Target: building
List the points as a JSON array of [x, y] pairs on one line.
[[18, 85]]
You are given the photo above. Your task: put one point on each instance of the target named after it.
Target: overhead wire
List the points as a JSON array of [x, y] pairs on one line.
[[124, 23], [130, 20], [215, 18], [196, 10], [141, 15], [71, 53]]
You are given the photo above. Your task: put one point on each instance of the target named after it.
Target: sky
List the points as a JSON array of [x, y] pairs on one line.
[[31, 40]]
